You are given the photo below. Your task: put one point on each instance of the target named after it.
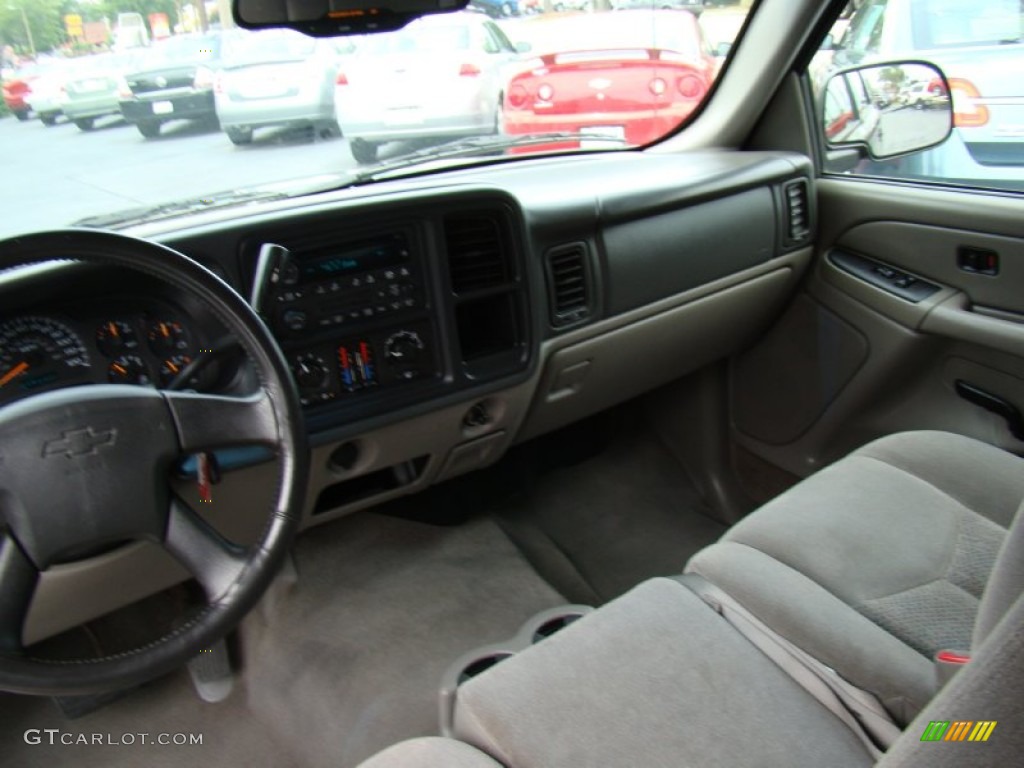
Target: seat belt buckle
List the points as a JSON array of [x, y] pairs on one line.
[[947, 663]]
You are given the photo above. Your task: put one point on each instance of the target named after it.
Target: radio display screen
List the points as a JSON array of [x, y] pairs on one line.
[[358, 256]]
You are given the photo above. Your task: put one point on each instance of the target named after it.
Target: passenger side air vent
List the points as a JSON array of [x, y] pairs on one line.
[[477, 259], [798, 213], [488, 296], [568, 284]]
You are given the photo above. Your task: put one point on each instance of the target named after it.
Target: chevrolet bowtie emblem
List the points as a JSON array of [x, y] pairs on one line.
[[79, 442]]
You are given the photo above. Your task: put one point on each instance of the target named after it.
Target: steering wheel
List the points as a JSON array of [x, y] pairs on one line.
[[90, 465]]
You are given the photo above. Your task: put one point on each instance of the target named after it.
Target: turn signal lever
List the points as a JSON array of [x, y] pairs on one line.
[[994, 403], [270, 268]]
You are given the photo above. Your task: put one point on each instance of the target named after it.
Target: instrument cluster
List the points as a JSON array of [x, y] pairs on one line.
[[150, 347]]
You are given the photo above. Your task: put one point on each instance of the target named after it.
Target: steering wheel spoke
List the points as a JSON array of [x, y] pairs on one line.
[[210, 421], [18, 577], [215, 562]]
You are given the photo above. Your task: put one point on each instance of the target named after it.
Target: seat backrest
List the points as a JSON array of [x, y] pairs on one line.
[[1006, 582], [987, 689]]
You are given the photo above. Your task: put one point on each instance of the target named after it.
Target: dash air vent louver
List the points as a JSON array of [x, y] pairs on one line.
[[568, 285], [798, 212], [477, 258]]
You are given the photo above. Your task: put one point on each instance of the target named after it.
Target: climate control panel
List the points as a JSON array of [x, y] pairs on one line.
[[332, 370]]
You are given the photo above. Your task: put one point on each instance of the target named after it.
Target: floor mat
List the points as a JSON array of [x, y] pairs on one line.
[[337, 666], [603, 525]]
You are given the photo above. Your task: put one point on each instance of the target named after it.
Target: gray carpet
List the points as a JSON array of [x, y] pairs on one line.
[[596, 529], [337, 666]]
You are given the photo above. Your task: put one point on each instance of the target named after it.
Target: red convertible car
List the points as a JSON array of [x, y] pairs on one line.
[[653, 72]]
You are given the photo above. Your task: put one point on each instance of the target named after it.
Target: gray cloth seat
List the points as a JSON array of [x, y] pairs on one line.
[[912, 544], [516, 723], [878, 561]]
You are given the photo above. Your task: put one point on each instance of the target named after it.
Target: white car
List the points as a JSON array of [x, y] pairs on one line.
[[47, 95], [441, 76]]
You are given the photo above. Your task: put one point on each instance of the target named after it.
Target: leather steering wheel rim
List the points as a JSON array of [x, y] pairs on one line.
[[167, 425]]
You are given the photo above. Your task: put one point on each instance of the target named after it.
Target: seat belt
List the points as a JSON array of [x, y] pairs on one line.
[[858, 709]]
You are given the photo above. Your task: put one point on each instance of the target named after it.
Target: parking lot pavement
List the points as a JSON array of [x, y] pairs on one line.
[[55, 176]]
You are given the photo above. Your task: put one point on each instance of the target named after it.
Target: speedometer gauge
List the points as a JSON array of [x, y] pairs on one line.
[[38, 353]]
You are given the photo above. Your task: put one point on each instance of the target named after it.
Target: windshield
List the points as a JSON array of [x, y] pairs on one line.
[[172, 113]]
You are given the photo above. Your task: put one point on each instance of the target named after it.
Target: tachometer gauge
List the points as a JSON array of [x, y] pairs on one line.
[[167, 336], [38, 353], [116, 336], [128, 369]]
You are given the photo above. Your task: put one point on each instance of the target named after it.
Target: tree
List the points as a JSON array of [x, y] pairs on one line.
[[32, 25]]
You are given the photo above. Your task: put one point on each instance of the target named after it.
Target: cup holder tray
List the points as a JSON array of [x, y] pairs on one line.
[[477, 661]]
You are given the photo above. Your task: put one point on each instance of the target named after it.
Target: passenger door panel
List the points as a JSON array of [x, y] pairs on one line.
[[850, 361]]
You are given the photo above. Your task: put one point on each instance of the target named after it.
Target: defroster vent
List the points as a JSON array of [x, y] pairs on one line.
[[798, 212], [477, 254], [568, 284]]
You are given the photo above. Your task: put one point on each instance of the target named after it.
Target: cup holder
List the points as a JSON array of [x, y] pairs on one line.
[[481, 665], [549, 627], [476, 662]]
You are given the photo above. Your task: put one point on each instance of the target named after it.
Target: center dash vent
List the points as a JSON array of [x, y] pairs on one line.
[[798, 212], [568, 284], [477, 258]]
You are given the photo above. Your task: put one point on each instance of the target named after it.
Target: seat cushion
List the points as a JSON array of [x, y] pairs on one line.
[[430, 752], [654, 678], [878, 561]]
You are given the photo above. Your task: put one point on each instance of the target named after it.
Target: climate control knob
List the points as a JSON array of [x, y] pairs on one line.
[[403, 347], [310, 371]]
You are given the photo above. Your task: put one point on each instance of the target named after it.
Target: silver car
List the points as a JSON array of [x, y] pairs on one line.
[[276, 78], [91, 90], [440, 76]]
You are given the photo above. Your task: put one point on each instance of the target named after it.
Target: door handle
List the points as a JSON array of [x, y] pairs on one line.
[[994, 403]]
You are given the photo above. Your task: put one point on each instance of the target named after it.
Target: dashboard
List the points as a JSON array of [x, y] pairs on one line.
[[429, 323]]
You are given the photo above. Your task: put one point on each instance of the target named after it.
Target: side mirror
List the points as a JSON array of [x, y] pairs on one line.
[[889, 109], [722, 50], [523, 47], [326, 18], [828, 44]]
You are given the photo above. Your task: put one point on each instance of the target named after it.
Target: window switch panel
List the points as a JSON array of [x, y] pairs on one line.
[[889, 279]]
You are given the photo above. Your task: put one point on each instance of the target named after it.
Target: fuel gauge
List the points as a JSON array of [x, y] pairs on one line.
[[116, 336], [128, 369]]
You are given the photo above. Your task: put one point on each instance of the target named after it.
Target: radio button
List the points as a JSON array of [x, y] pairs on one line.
[[294, 319]]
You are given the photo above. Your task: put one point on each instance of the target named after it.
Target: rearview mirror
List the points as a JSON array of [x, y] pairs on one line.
[[890, 109], [327, 18]]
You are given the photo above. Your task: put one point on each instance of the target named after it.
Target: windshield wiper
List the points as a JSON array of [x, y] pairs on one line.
[[472, 147], [179, 208]]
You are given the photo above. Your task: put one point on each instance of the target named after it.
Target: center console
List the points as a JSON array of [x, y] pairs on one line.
[[377, 315], [355, 316]]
